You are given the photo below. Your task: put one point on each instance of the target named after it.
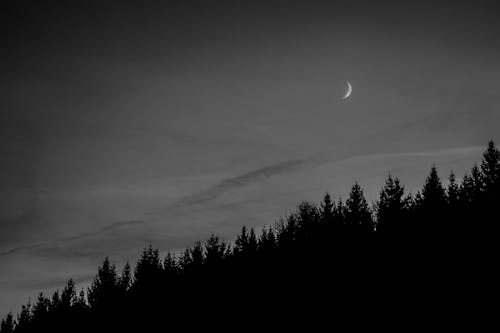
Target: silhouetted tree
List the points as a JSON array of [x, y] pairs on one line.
[[23, 321], [68, 295], [453, 191], [326, 211], [171, 269], [308, 219], [41, 311], [339, 214], [433, 193], [390, 207], [252, 244], [104, 288], [148, 271], [241, 242], [358, 214], [431, 205], [80, 305], [490, 168], [267, 242], [332, 251], [125, 280], [7, 325], [55, 301], [215, 251]]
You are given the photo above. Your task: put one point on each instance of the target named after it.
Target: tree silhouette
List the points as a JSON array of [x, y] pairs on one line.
[[390, 207], [267, 242], [148, 272], [7, 324], [215, 251], [431, 204], [24, 319], [332, 251], [433, 193], [358, 214], [326, 211], [490, 168], [104, 288], [241, 242]]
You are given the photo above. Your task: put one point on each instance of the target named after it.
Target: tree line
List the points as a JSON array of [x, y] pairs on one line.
[[345, 250]]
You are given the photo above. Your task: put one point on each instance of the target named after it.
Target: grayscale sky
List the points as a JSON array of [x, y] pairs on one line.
[[123, 125]]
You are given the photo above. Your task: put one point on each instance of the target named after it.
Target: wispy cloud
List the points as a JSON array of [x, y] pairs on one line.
[[295, 165], [84, 235]]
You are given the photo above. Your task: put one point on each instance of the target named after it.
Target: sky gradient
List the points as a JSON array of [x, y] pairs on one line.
[[123, 125]]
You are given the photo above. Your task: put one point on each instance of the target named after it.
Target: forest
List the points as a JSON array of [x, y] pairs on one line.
[[326, 262]]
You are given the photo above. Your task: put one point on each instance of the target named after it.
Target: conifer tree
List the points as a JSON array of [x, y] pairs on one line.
[[453, 192], [80, 305], [125, 280], [197, 255], [308, 217], [215, 250], [358, 214], [55, 301], [7, 325], [339, 213], [148, 270], [327, 207], [68, 295], [390, 206], [431, 206], [252, 244], [433, 193], [171, 269], [104, 287], [267, 242], [241, 242], [41, 310], [490, 169], [23, 321]]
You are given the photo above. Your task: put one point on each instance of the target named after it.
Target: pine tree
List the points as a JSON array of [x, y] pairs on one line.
[[267, 242], [125, 280], [55, 302], [197, 255], [490, 169], [339, 214], [433, 193], [148, 271], [453, 192], [326, 211], [171, 269], [80, 305], [68, 296], [104, 287], [431, 206], [390, 206], [41, 310], [24, 319], [215, 250], [358, 214], [7, 325], [308, 218], [241, 242], [252, 244]]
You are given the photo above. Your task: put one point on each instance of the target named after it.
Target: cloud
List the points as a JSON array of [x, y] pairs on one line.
[[107, 228], [295, 165], [245, 179]]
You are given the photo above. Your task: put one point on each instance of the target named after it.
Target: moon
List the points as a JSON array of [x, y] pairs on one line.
[[349, 91]]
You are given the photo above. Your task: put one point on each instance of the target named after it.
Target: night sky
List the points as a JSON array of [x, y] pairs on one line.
[[123, 125]]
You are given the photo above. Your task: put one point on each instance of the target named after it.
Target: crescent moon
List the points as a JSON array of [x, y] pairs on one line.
[[349, 91]]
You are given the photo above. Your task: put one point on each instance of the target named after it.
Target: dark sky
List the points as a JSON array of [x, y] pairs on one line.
[[127, 124]]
